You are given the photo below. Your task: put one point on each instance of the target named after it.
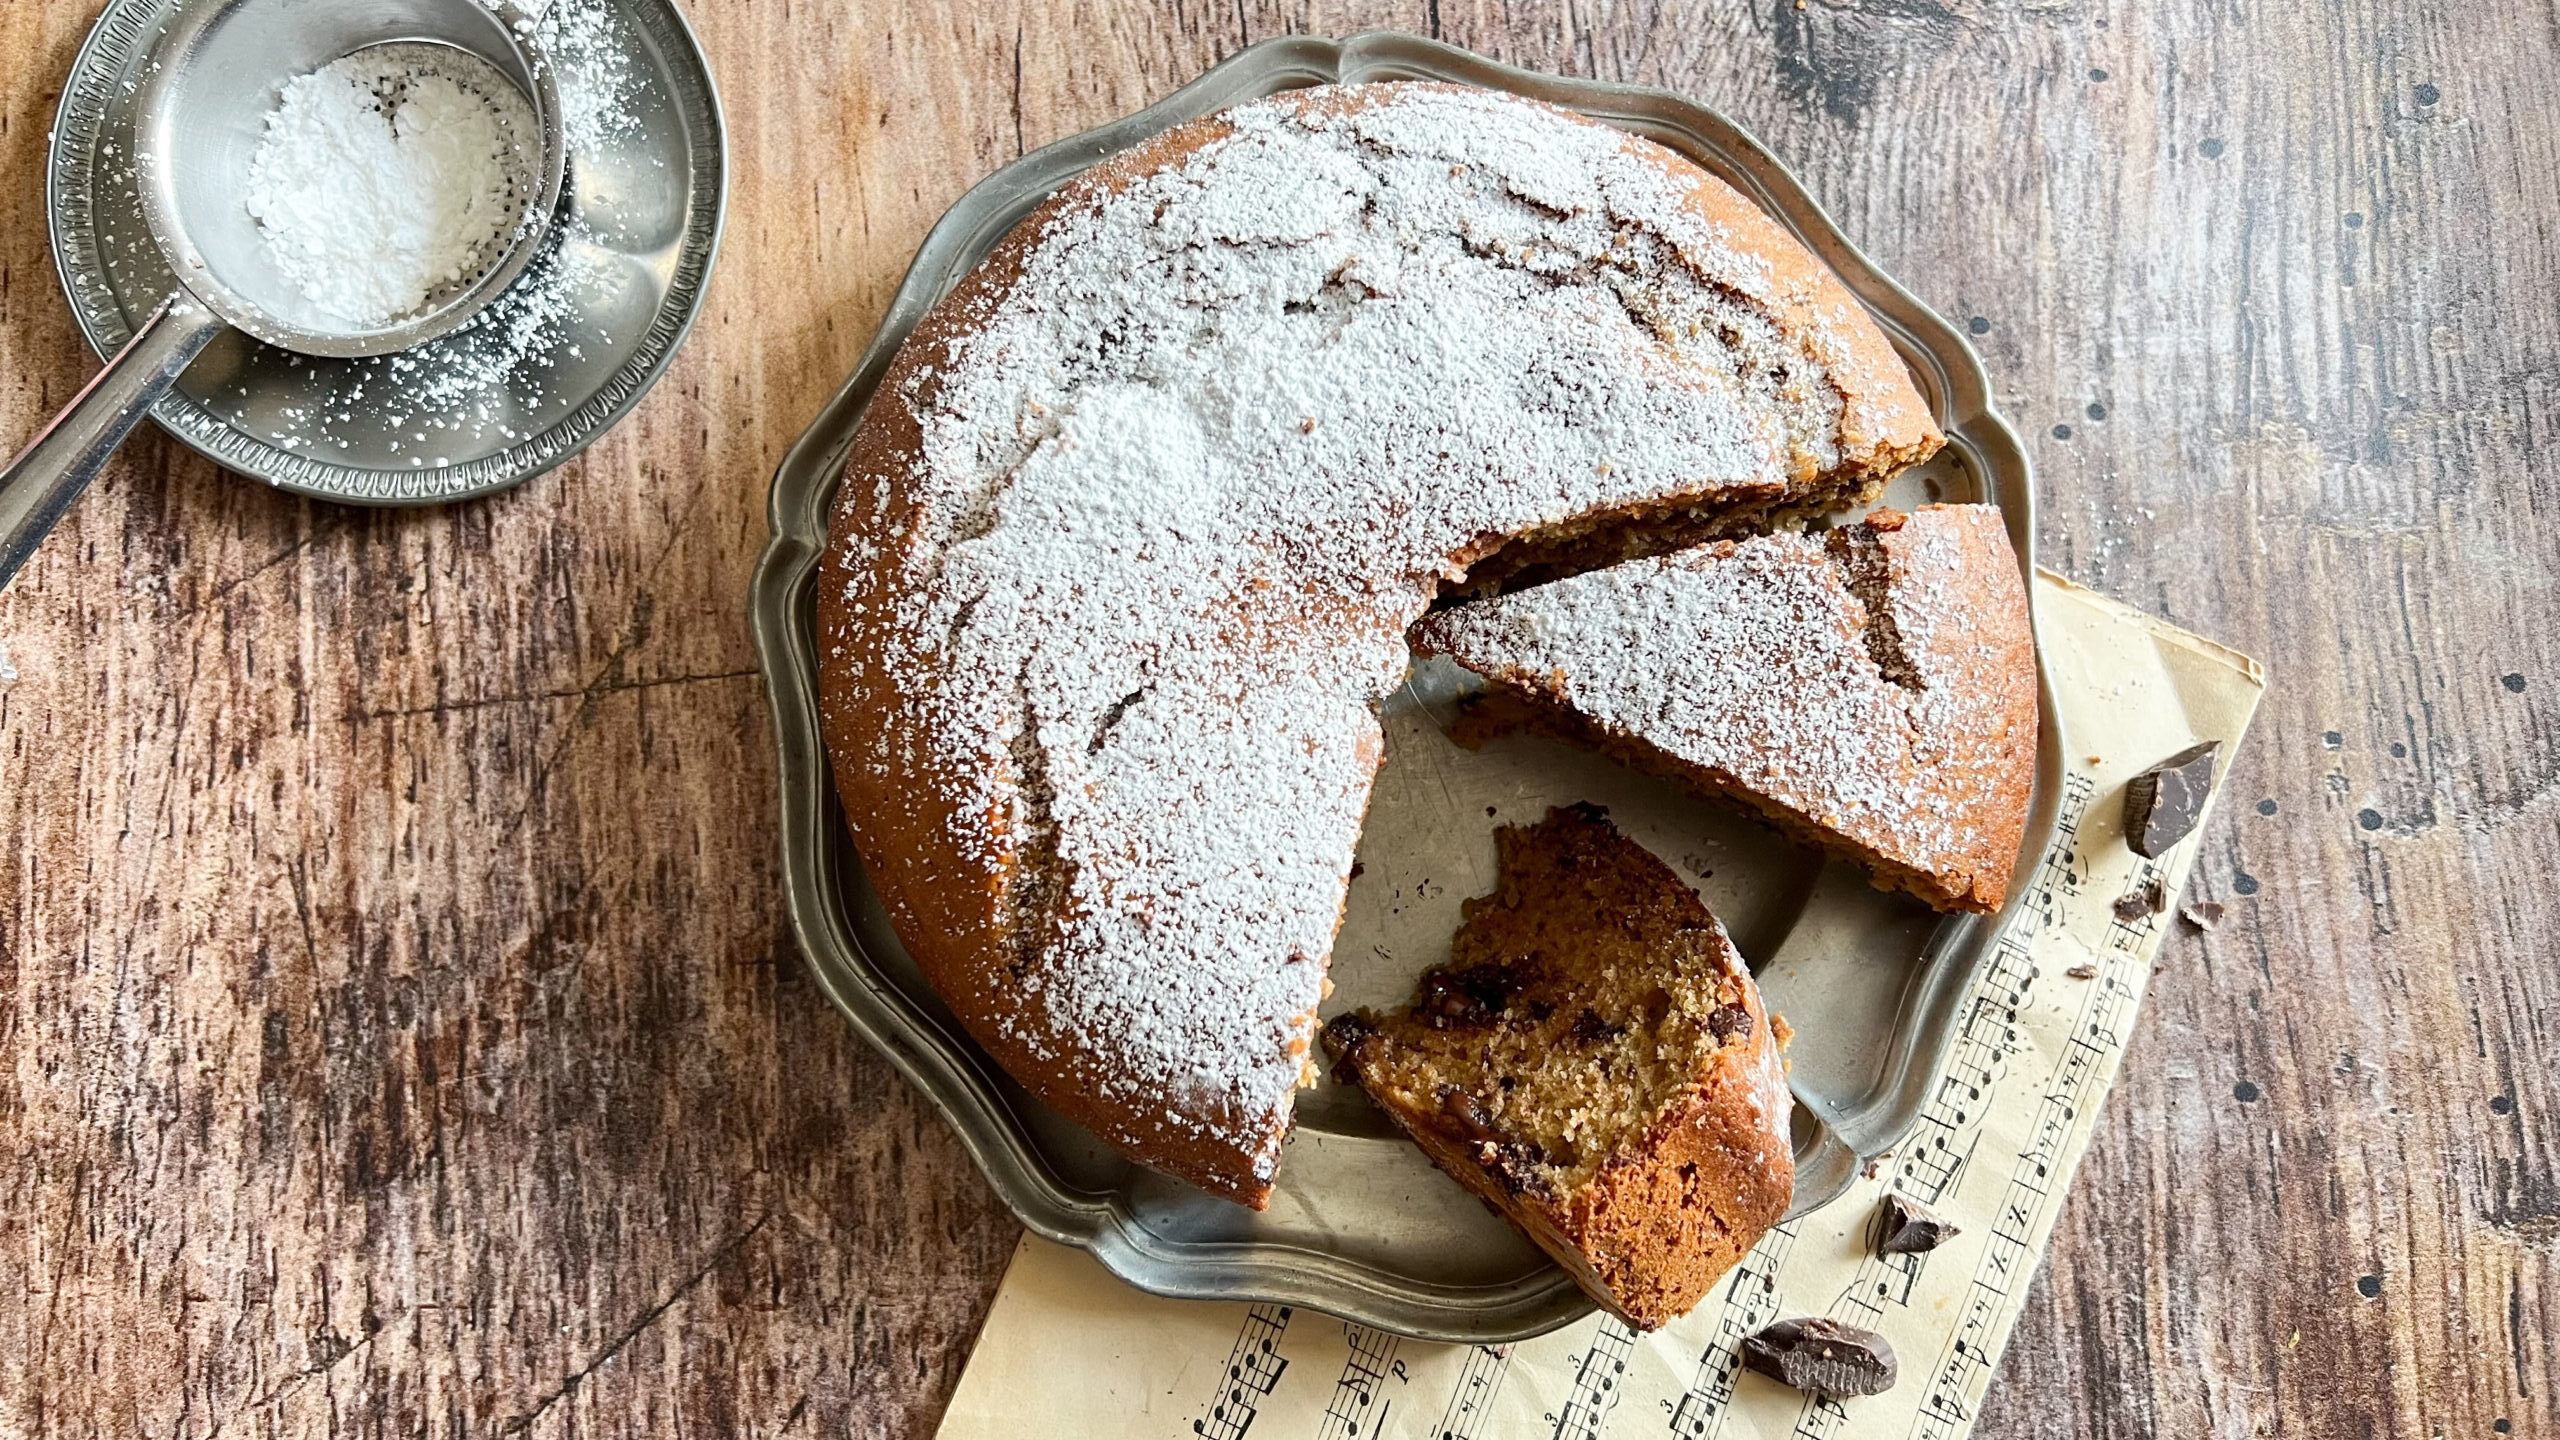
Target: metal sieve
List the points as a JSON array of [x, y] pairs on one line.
[[215, 74]]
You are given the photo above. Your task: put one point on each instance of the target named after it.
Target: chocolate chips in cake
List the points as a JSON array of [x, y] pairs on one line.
[[1594, 1061]]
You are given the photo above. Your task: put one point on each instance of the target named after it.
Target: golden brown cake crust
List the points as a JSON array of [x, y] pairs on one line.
[[969, 806], [1594, 1062], [1872, 691]]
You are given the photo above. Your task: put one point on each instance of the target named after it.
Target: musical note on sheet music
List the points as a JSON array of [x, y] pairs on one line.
[[1939, 1148], [1358, 1406], [1751, 1300], [1253, 1368], [1597, 1379], [1960, 1371], [1471, 1404]]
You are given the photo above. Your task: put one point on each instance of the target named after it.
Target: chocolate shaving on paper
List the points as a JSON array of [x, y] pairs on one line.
[[1822, 1356], [2161, 804], [1911, 1228]]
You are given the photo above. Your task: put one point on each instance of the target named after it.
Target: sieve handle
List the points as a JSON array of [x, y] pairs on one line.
[[42, 482]]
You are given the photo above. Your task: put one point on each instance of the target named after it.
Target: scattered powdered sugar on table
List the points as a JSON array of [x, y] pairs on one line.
[[389, 175], [1180, 492], [8, 670]]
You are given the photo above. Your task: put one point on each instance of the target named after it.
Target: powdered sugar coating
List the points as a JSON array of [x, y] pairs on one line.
[[1127, 596], [1875, 685]]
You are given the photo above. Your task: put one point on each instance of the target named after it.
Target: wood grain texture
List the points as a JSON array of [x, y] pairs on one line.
[[398, 1031]]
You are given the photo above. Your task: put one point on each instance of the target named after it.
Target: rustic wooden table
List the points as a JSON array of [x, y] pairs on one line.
[[398, 1028]]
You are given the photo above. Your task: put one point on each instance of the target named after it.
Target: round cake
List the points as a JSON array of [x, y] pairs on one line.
[[1137, 520]]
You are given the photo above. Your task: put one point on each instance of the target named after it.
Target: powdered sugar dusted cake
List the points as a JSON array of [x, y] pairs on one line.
[[1871, 691], [1136, 523]]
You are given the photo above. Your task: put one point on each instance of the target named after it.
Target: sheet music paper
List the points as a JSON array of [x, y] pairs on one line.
[[1070, 1352]]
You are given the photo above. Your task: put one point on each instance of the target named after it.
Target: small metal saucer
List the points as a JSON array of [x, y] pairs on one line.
[[557, 361]]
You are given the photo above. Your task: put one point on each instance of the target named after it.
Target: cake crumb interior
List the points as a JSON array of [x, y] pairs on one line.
[[1583, 996]]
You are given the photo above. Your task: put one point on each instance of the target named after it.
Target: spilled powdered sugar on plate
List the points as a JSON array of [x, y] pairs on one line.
[[484, 378], [595, 75], [1183, 486]]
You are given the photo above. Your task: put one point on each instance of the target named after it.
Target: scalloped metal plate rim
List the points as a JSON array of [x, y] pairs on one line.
[[941, 1061]]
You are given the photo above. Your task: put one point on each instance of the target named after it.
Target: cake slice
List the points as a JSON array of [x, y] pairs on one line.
[[1871, 690], [1594, 1061]]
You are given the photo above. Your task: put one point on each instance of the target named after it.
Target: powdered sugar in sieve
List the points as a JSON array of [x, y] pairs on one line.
[[391, 179]]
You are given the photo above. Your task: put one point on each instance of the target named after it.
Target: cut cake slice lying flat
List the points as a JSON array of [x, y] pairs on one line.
[[1871, 690], [1595, 1063]]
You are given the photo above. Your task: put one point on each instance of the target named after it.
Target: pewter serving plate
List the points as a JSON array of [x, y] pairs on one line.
[[638, 229], [1361, 1226]]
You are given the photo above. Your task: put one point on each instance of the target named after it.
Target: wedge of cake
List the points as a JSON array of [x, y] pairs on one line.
[[1594, 1061], [1871, 690]]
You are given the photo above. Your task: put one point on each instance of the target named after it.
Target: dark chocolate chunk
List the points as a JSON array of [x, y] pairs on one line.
[[1726, 1021], [1589, 1029], [1468, 998], [2203, 914], [1472, 1123], [2149, 898], [1911, 1228], [1822, 1356], [2161, 804], [1348, 1035], [1515, 1164]]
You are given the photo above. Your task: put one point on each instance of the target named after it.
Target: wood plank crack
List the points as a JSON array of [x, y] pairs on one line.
[[601, 688], [569, 1385]]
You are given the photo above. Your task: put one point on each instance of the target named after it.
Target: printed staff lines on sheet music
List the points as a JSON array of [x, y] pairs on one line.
[[1942, 1145], [1597, 1378], [1879, 1280], [1751, 1300], [1939, 1148], [2059, 877], [1358, 1407], [1253, 1367], [1471, 1405], [2078, 1079]]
